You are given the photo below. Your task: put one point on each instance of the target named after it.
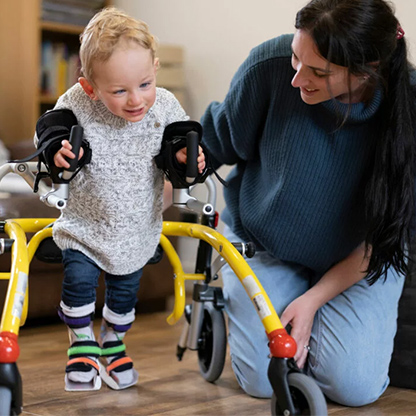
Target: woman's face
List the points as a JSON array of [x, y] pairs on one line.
[[318, 79]]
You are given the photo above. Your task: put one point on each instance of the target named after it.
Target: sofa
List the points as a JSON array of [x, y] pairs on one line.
[[156, 286]]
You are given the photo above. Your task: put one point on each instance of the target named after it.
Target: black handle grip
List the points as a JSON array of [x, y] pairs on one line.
[[246, 249], [75, 139], [192, 142], [250, 249]]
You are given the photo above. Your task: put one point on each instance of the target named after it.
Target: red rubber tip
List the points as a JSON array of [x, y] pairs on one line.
[[281, 344], [9, 348]]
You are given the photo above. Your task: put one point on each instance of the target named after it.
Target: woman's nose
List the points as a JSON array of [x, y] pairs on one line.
[[299, 80]]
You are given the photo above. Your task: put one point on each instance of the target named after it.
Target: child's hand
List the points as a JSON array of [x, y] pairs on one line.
[[63, 152], [181, 158]]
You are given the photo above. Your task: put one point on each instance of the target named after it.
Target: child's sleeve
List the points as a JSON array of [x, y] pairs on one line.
[[176, 112]]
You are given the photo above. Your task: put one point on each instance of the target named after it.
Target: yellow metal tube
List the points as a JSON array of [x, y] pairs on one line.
[[17, 288], [17, 298], [36, 240], [33, 225], [251, 284], [179, 280]]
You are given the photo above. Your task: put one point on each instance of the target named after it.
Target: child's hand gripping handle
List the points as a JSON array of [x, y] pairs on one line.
[[75, 139], [192, 152]]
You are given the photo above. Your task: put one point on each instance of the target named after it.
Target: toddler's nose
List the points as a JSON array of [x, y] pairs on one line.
[[134, 99]]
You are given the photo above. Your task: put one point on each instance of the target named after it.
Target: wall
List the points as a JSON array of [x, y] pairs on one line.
[[218, 34]]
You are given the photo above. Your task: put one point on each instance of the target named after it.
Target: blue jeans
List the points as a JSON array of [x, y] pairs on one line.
[[352, 336], [81, 280]]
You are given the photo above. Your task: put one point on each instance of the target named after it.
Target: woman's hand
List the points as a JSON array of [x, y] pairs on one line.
[[63, 152], [300, 314], [181, 157]]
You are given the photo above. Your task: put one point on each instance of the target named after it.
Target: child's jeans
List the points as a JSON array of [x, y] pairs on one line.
[[352, 336], [81, 280]]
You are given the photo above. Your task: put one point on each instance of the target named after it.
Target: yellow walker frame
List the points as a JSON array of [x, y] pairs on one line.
[[292, 389], [16, 303], [282, 346]]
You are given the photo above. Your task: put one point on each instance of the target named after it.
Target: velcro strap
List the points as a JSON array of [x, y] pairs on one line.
[[78, 322], [116, 364], [83, 350], [118, 327], [75, 364], [112, 350]]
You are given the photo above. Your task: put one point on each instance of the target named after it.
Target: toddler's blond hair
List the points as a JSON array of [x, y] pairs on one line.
[[103, 33]]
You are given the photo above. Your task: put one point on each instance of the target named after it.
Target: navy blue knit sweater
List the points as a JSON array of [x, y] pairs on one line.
[[298, 186]]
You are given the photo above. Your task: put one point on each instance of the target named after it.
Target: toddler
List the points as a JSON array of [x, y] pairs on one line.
[[113, 217]]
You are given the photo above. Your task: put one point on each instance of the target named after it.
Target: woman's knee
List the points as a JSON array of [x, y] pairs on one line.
[[252, 377], [351, 388]]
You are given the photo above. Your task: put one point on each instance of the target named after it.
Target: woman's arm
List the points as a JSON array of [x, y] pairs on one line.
[[301, 312], [340, 277], [232, 128]]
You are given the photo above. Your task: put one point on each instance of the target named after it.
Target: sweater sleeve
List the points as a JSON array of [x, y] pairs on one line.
[[176, 112], [233, 127]]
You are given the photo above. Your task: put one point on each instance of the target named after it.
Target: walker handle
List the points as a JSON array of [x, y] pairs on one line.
[[192, 143], [75, 139]]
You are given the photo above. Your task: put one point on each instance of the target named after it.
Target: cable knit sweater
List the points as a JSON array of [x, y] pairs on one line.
[[114, 210], [297, 189]]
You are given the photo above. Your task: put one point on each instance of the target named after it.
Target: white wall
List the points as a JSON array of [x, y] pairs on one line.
[[217, 36]]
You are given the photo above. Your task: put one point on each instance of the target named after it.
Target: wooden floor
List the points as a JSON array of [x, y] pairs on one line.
[[166, 386]]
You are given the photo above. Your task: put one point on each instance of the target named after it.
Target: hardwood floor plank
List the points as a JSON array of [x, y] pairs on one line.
[[166, 387]]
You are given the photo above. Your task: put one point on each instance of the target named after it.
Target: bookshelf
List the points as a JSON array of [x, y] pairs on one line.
[[22, 32], [23, 35]]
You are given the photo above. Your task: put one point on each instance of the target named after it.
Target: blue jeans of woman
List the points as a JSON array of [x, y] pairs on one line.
[[81, 280], [352, 335]]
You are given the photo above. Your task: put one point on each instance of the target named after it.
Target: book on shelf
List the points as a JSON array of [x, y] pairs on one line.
[[59, 68], [76, 12]]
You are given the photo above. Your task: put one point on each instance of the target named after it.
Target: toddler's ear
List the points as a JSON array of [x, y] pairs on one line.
[[88, 88], [156, 65]]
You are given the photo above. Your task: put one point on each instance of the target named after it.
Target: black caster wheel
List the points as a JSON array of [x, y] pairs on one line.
[[5, 401], [212, 343], [307, 397]]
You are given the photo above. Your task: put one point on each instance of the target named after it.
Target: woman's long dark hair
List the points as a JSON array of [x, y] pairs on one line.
[[362, 36]]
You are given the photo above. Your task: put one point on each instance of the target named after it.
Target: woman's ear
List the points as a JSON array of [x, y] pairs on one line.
[[88, 88]]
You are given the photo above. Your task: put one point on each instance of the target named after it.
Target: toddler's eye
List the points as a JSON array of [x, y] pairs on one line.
[[145, 85], [119, 91]]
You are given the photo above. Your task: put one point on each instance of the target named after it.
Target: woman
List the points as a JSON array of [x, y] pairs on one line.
[[320, 126]]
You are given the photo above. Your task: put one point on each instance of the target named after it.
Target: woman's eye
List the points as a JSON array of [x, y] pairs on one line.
[[320, 75]]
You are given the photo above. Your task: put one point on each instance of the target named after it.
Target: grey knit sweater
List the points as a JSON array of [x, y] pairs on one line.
[[114, 211]]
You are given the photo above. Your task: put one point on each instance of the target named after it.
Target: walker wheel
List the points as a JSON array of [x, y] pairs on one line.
[[212, 343], [5, 401], [307, 397]]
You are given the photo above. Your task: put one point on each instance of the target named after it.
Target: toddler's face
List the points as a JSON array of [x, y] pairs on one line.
[[126, 83]]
